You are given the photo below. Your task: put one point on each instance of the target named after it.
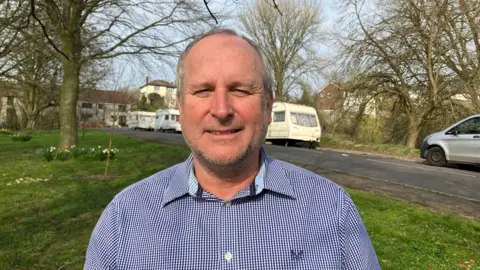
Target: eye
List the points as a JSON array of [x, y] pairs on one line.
[[201, 92], [240, 92]]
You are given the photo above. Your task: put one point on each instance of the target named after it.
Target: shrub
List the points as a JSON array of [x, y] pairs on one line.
[[95, 153], [21, 137], [5, 132]]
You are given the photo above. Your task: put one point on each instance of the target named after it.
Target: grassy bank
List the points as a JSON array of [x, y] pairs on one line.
[[47, 224], [395, 150]]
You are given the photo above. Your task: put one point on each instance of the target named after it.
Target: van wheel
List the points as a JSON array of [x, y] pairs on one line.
[[436, 156]]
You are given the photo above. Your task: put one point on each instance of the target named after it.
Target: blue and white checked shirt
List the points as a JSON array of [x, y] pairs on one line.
[[290, 218]]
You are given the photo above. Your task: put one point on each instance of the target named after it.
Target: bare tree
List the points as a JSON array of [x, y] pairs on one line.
[[81, 32], [396, 45], [462, 43], [37, 74], [287, 38], [12, 21]]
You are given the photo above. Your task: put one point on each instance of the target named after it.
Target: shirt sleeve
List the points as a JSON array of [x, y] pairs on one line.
[[102, 249], [357, 248]]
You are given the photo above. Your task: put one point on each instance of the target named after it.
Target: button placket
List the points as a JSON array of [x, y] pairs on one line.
[[227, 234]]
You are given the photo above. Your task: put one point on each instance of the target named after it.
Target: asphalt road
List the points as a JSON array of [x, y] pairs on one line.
[[448, 180]]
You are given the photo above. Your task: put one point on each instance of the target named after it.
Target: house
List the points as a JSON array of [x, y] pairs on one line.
[[10, 114], [99, 108], [167, 91], [329, 98], [332, 98]]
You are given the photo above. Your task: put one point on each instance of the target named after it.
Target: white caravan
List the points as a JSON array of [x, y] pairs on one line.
[[141, 120], [293, 123], [167, 120]]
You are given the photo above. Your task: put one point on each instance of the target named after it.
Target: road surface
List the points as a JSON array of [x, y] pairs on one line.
[[446, 180]]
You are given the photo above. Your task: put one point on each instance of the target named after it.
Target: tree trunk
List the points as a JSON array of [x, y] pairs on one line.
[[30, 121], [413, 131], [475, 101], [68, 104], [358, 120]]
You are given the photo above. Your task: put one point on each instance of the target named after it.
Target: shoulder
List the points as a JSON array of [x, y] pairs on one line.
[[299, 175], [310, 186], [149, 189]]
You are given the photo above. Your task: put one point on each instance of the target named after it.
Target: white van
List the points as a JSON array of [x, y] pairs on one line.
[[141, 120], [167, 120], [293, 123], [459, 143]]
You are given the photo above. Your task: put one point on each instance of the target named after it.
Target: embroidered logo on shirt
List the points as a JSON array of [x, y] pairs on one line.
[[296, 254]]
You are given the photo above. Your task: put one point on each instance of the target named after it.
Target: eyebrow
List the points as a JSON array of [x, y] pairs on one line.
[[251, 84]]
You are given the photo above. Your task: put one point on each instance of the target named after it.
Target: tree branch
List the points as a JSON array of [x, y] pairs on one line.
[[44, 30], [209, 11]]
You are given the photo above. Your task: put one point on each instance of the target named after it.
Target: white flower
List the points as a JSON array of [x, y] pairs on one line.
[[9, 184]]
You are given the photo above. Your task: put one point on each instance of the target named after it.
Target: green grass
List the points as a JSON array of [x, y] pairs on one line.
[[384, 149], [411, 237], [47, 225]]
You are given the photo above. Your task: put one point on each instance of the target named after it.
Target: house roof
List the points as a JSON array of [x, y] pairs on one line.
[[329, 85], [161, 83], [106, 96]]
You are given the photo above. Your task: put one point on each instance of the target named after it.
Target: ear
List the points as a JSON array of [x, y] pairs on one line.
[[269, 109], [180, 109]]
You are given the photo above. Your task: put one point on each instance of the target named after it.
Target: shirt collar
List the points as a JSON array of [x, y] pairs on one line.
[[271, 176]]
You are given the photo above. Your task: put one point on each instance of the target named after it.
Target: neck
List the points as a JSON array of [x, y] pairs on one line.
[[226, 181]]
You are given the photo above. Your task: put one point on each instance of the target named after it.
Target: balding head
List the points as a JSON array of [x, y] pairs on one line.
[[265, 72]]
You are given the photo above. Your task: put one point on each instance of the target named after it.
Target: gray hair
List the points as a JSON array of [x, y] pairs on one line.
[[266, 75]]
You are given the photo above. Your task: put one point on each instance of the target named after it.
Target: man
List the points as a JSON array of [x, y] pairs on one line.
[[229, 206]]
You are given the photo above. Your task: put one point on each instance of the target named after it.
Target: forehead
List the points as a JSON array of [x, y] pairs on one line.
[[225, 55]]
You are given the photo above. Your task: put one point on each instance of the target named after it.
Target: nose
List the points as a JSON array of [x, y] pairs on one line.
[[220, 105]]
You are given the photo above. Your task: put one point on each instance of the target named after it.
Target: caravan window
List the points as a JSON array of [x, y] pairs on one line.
[[306, 120], [303, 120], [279, 117], [294, 119], [313, 121], [166, 117]]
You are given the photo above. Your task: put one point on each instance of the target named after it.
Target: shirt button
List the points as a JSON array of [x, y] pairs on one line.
[[228, 203], [228, 256]]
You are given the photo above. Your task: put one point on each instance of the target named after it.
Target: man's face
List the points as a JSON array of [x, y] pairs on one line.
[[223, 111]]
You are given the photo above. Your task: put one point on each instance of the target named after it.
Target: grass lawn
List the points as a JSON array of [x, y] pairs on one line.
[[47, 225], [396, 150]]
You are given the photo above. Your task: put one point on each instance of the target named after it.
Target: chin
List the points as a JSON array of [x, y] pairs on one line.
[[224, 155]]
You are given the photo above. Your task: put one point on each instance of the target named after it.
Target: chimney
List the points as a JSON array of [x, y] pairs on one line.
[[146, 80]]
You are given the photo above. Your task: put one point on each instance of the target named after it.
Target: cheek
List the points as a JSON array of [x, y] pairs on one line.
[[192, 113]]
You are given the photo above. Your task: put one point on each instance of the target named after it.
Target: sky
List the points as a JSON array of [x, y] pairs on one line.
[[127, 71]]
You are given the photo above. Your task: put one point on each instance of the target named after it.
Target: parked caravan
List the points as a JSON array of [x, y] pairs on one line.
[[141, 120], [293, 123], [167, 120]]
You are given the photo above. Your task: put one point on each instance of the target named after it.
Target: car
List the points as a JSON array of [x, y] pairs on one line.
[[459, 143]]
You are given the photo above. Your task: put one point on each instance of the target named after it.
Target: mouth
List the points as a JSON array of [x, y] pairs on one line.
[[224, 132]]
